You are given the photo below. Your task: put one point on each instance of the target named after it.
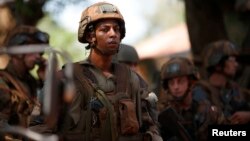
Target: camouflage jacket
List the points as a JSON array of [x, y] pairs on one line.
[[16, 102], [195, 119], [15, 98], [229, 99]]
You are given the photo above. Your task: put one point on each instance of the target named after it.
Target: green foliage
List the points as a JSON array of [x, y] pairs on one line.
[[62, 40]]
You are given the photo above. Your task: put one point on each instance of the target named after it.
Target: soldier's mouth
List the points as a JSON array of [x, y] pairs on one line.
[[113, 43]]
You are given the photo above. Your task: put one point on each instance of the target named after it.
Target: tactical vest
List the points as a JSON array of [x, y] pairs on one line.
[[107, 114]]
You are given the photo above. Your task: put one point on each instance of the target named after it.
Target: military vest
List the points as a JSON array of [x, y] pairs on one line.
[[108, 103]]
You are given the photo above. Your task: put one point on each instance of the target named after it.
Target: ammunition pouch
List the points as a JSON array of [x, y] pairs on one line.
[[129, 122]]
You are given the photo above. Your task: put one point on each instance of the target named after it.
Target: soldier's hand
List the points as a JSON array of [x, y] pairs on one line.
[[241, 117]]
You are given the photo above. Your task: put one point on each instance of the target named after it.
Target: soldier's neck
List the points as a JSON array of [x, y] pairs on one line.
[[102, 62], [186, 104]]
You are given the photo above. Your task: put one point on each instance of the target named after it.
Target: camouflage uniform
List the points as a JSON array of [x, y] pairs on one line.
[[231, 97], [17, 89], [196, 118], [105, 107]]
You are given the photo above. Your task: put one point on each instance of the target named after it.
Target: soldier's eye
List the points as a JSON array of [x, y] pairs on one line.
[[117, 28], [104, 29]]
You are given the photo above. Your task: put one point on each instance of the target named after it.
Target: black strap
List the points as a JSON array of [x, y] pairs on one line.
[[84, 86]]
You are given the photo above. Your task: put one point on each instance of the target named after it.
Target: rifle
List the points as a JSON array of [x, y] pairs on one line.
[[169, 123]]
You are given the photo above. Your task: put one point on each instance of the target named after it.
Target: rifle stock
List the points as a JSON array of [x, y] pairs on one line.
[[168, 120]]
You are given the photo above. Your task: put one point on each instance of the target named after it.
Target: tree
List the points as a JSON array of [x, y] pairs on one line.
[[211, 20], [29, 12]]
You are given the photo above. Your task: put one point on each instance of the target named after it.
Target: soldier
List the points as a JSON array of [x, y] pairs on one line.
[[109, 104], [221, 65], [182, 116], [18, 87], [129, 56]]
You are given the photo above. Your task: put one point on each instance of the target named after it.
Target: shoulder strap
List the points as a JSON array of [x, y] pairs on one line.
[[85, 87], [86, 77], [80, 74], [122, 73]]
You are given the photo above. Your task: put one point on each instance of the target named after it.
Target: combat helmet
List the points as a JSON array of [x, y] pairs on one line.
[[127, 53], [217, 52], [96, 12], [177, 66], [24, 34]]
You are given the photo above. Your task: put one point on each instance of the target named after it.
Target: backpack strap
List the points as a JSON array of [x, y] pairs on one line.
[[122, 73]]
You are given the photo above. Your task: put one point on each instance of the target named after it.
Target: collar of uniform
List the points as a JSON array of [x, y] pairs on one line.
[[87, 62]]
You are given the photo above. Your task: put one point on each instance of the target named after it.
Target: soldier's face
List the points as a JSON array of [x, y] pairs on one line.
[[107, 35], [230, 66], [178, 85], [30, 60]]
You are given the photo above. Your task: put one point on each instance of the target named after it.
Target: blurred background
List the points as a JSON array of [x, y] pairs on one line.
[[158, 29]]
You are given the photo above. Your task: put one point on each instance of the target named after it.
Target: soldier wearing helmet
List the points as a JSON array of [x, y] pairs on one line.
[[221, 64], [178, 76], [18, 88], [178, 67], [109, 104], [218, 54], [128, 55]]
